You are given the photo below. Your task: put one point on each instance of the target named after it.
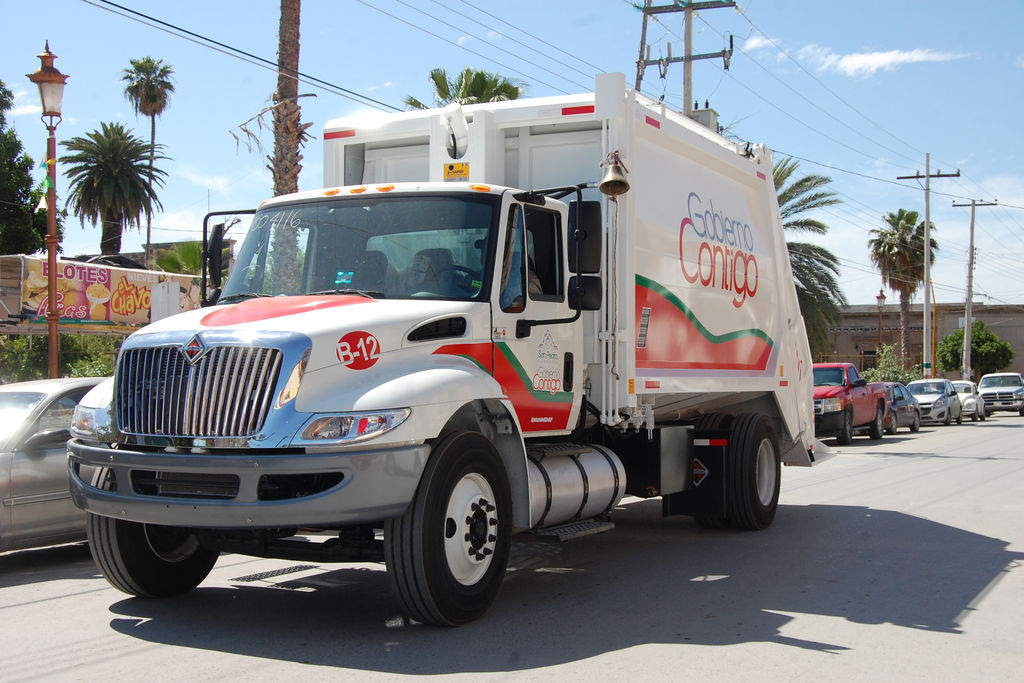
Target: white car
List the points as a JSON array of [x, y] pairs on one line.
[[1002, 391], [938, 400], [970, 401]]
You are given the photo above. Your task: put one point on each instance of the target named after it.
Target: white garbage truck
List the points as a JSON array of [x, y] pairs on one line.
[[495, 319]]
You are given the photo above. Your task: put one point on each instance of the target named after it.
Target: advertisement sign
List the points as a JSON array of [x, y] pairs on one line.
[[104, 296]]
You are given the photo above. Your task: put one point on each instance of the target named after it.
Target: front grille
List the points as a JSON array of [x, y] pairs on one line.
[[1000, 396], [226, 393]]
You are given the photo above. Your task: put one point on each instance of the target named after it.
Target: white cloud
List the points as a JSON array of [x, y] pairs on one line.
[[865, 64], [218, 184], [757, 43], [371, 88]]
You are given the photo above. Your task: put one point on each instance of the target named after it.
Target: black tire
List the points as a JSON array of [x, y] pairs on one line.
[[949, 417], [447, 554], [845, 435], [960, 417], [915, 426], [893, 425], [981, 413], [753, 473], [974, 415], [147, 560], [876, 429]]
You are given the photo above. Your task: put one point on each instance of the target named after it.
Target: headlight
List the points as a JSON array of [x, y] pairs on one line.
[[832, 405], [346, 428], [91, 419], [940, 401]]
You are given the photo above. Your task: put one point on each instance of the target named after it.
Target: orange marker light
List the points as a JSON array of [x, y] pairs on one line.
[[331, 192], [357, 190], [385, 188], [480, 188]]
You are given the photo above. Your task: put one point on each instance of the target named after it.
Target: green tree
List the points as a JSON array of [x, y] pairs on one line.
[[469, 87], [22, 229], [989, 353], [815, 268], [148, 88], [889, 368], [898, 252], [185, 257], [111, 182], [24, 357]]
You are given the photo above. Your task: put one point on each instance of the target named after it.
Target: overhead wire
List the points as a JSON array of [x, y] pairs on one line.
[[226, 49]]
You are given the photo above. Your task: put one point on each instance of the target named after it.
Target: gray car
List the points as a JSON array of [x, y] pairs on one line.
[[35, 505]]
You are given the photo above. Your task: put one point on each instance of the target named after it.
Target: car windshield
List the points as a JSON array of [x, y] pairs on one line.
[[426, 246], [1000, 381], [828, 377], [14, 408], [927, 388]]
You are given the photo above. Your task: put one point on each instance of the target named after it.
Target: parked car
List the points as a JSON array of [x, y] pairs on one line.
[[1002, 391], [904, 410], [938, 400], [36, 505], [970, 400], [845, 402]]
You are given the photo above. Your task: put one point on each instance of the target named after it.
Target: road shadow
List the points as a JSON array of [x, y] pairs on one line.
[[38, 565], [652, 580]]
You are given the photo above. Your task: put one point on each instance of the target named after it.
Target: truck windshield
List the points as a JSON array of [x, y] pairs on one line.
[[1000, 381], [829, 377], [425, 246]]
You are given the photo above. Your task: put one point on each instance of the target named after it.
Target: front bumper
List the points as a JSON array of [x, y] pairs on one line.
[[828, 424], [993, 404], [230, 491], [932, 413]]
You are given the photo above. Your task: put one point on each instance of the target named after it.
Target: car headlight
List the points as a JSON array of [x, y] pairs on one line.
[[346, 428], [91, 419], [940, 401], [832, 405]]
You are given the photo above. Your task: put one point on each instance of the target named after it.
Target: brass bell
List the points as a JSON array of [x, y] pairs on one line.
[[614, 181]]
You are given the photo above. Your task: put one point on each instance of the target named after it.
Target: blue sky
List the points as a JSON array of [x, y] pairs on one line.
[[858, 91]]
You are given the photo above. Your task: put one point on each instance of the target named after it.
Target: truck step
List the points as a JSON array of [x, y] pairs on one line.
[[573, 530]]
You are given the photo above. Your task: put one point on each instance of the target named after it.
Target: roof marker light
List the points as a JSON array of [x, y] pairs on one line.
[[385, 188], [480, 188], [331, 192], [357, 190]]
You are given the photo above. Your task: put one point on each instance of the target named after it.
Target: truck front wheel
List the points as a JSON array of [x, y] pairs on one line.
[[845, 435], [754, 473], [447, 554], [147, 560]]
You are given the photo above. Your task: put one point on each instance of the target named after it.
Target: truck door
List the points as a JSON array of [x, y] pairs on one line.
[[537, 361]]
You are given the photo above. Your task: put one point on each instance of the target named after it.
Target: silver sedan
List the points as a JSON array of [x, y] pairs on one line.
[[35, 505]]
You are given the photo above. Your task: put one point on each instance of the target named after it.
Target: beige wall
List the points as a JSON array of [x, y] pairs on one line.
[[856, 338]]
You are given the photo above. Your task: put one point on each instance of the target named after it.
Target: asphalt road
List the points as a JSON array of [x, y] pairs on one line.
[[895, 560]]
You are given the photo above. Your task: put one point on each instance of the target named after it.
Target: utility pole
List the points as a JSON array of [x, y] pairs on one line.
[[687, 7], [928, 175], [965, 371]]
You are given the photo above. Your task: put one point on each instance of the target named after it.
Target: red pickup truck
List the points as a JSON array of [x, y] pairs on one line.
[[844, 401]]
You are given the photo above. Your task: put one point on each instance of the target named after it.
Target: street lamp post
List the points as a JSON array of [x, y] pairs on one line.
[[881, 303], [51, 92]]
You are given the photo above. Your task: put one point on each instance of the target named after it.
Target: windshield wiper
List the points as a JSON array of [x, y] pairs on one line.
[[369, 294], [241, 296]]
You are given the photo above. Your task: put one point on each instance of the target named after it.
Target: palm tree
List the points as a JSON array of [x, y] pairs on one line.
[[898, 253], [185, 257], [469, 87], [110, 181], [815, 268], [148, 88]]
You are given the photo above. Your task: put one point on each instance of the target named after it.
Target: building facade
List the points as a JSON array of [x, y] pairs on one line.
[[865, 328]]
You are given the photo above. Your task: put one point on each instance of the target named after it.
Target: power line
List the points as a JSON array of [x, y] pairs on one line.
[[236, 52], [455, 44]]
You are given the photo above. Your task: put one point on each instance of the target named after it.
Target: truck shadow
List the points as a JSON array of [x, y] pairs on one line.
[[652, 580]]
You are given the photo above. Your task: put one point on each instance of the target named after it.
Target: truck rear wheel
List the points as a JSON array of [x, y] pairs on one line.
[[876, 429], [845, 435], [447, 554], [754, 473], [147, 560]]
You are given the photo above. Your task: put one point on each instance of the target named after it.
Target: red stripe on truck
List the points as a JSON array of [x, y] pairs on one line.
[[583, 109], [653, 122], [333, 135]]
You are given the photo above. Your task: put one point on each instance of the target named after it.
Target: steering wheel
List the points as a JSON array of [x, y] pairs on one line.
[[466, 279]]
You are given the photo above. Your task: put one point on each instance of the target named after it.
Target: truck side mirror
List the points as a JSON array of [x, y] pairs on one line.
[[213, 253], [859, 382], [585, 236], [585, 292]]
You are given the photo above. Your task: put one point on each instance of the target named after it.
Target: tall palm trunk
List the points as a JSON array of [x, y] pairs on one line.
[[149, 214], [904, 318], [110, 233], [285, 164]]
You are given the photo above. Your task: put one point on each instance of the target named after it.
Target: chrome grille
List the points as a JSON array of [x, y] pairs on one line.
[[226, 393]]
